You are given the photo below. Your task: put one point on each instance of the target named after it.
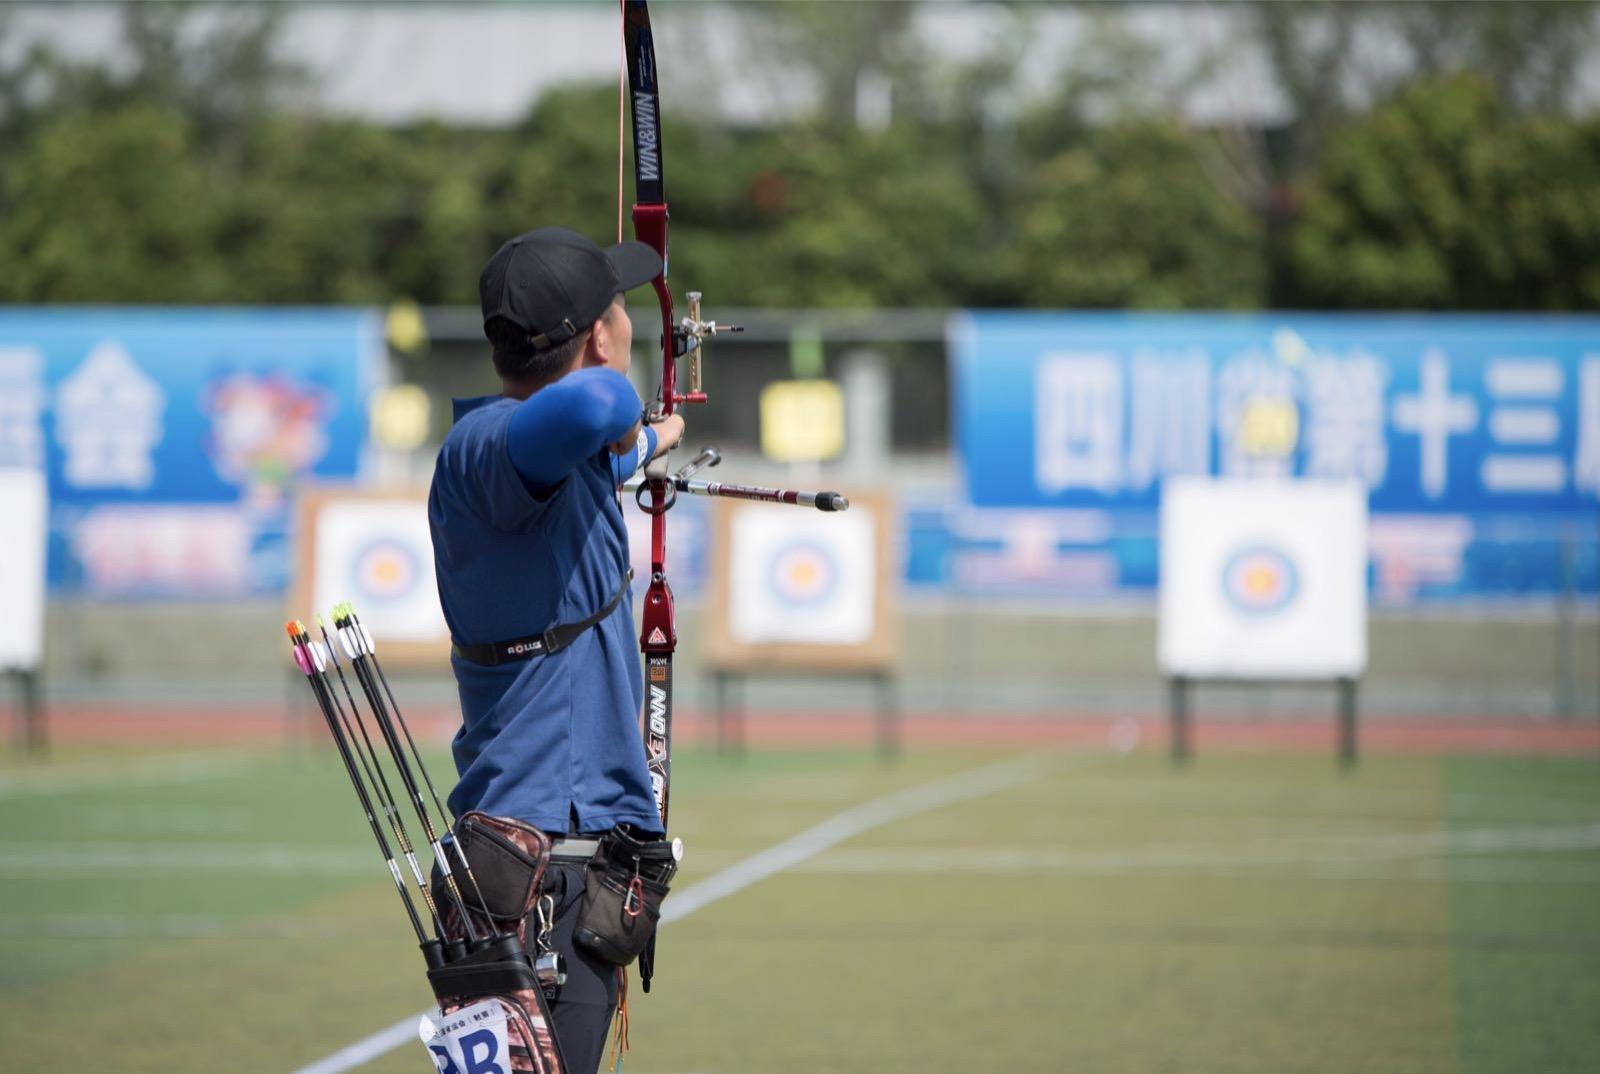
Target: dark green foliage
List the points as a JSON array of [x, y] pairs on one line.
[[110, 205], [189, 175], [1130, 218], [1446, 198]]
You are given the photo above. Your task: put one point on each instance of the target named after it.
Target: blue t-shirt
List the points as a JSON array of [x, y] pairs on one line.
[[555, 740]]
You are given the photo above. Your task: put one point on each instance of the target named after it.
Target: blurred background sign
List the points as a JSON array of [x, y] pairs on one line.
[[173, 440], [1476, 439], [400, 417], [802, 420], [1468, 414], [25, 507]]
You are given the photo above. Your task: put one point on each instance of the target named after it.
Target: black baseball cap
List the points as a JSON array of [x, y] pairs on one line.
[[554, 283]]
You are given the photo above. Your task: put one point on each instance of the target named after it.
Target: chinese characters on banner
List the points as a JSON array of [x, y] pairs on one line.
[[172, 440], [1491, 423]]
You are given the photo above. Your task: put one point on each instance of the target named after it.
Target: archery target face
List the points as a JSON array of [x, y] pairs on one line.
[[801, 578], [1259, 580], [803, 574], [378, 554], [1263, 579], [384, 571]]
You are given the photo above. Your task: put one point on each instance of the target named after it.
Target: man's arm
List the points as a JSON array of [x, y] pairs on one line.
[[562, 424], [624, 465], [653, 440]]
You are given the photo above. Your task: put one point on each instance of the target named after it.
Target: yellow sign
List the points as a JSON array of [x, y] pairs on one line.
[[400, 417], [802, 420], [404, 328], [1269, 427]]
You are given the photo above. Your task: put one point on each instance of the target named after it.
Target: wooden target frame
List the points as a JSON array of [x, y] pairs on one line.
[[728, 658], [427, 655], [880, 653]]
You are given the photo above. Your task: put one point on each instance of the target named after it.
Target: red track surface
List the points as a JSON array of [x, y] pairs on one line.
[[243, 724]]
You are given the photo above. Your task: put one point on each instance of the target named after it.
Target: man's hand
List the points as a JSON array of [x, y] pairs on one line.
[[669, 433]]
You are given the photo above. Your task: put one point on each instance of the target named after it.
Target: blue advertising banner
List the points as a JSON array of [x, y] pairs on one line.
[[1434, 413], [1477, 436], [172, 439]]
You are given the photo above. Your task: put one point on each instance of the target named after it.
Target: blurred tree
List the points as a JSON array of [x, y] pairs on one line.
[[117, 179], [918, 180], [870, 219], [847, 48], [1446, 197], [559, 166], [216, 65], [1531, 51], [108, 206], [313, 216], [1317, 54], [1128, 218]]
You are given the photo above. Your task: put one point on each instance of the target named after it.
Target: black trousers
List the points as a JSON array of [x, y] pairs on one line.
[[583, 1008]]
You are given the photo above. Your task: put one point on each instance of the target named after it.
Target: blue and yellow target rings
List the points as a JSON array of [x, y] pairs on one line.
[[803, 574], [1259, 580], [386, 570]]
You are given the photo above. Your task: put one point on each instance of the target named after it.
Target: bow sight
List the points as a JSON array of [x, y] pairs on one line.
[[686, 339]]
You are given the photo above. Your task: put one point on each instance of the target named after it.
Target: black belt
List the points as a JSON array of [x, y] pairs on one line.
[[575, 848], [494, 653]]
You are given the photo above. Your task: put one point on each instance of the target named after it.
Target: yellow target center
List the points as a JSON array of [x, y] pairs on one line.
[[1259, 581]]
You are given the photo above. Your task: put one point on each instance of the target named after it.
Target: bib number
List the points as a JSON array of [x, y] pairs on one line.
[[469, 1041]]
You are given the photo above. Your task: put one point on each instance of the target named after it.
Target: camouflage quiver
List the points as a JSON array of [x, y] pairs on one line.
[[491, 998]]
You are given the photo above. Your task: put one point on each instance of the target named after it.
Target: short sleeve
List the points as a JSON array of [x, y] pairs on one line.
[[483, 477]]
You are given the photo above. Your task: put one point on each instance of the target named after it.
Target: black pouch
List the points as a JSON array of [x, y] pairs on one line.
[[509, 859], [623, 887]]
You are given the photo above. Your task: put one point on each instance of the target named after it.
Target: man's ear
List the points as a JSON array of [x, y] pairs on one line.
[[598, 350]]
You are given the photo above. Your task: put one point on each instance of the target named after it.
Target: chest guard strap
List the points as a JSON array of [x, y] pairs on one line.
[[553, 639]]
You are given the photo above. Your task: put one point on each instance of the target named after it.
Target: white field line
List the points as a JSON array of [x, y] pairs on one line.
[[23, 860], [1377, 859], [1370, 803], [172, 926], [805, 851], [948, 791], [99, 775], [1397, 846]]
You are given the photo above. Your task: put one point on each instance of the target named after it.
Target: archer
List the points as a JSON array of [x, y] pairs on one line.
[[531, 554]]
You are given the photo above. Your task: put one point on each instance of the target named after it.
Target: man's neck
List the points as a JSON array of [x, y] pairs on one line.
[[520, 388]]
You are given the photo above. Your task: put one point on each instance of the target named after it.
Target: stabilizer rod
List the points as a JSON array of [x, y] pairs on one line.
[[680, 481], [822, 501]]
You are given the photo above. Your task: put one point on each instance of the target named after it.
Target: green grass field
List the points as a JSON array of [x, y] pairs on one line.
[[225, 911]]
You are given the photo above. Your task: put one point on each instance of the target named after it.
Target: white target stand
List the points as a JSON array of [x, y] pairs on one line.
[[1262, 582], [801, 593]]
